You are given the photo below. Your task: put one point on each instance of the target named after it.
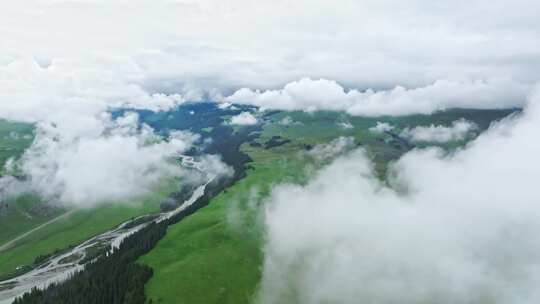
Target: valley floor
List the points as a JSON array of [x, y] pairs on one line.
[[70, 229], [214, 256]]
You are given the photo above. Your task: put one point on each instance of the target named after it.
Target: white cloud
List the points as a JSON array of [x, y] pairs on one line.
[[457, 228], [381, 127], [224, 105], [332, 149], [244, 119], [73, 88], [459, 130], [345, 125], [121, 160], [10, 186], [310, 95], [213, 165], [159, 53], [195, 45], [81, 156], [286, 121]]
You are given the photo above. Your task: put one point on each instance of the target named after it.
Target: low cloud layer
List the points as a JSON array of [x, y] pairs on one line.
[[311, 95], [381, 127], [457, 228], [332, 149], [81, 155], [244, 119], [459, 130], [71, 90], [123, 159]]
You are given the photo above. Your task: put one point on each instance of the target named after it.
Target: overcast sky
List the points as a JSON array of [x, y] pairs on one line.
[[119, 49]]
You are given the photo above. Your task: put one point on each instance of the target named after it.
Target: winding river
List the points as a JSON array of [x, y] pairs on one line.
[[60, 267]]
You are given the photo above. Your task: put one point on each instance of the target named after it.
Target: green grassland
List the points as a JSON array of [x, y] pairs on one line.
[[22, 214], [14, 139], [310, 129], [323, 126], [215, 255], [73, 227]]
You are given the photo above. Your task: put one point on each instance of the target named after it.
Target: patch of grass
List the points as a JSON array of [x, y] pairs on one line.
[[214, 255], [22, 214], [14, 139], [77, 227]]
